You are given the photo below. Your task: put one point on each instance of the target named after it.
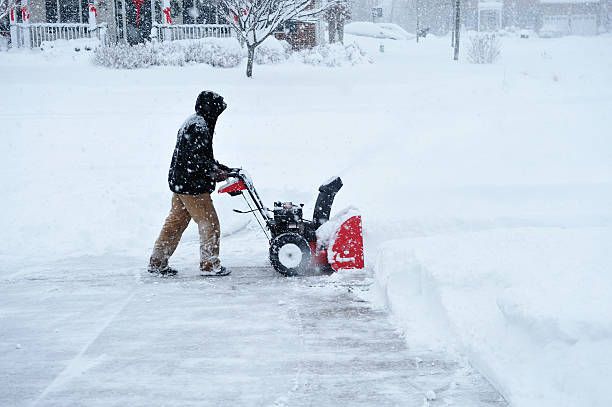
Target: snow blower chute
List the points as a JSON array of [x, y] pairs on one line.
[[297, 244]]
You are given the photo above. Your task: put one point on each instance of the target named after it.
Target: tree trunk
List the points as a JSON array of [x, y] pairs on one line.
[[457, 27], [250, 58]]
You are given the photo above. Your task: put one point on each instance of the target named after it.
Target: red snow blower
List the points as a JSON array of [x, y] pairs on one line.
[[298, 245]]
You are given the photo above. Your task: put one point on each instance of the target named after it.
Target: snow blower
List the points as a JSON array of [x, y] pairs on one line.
[[298, 245]]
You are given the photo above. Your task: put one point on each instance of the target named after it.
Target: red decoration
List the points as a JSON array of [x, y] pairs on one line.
[[168, 16], [93, 9], [138, 4], [25, 14]]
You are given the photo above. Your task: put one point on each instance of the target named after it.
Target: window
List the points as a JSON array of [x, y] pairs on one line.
[[66, 11], [199, 12], [51, 7]]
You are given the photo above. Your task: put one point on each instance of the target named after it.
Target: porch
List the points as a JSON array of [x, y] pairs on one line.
[[28, 35], [32, 22]]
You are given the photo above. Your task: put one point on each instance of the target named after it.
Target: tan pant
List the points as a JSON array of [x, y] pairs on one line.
[[184, 208]]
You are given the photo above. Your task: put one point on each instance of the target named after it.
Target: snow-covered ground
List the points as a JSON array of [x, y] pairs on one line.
[[485, 190]]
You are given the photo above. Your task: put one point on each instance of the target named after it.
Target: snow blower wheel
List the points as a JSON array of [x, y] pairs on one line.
[[290, 254]]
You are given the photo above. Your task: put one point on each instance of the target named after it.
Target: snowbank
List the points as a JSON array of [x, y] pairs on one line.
[[377, 30], [531, 307]]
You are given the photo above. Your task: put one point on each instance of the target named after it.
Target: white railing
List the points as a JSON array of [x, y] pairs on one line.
[[191, 31], [31, 35]]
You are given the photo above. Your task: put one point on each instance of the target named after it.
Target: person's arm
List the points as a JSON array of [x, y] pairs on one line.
[[202, 140]]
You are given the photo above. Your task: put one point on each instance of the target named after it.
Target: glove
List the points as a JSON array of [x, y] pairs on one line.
[[220, 175], [223, 167]]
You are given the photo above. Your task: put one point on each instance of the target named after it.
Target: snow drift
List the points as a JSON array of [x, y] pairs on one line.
[[535, 322]]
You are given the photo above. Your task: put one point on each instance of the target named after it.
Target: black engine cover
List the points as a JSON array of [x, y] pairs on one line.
[[288, 217]]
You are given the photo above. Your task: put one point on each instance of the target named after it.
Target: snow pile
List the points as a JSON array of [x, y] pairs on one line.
[[272, 51], [531, 307], [218, 52], [380, 30], [327, 232], [334, 55]]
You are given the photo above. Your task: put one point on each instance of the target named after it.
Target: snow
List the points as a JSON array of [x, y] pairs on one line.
[[63, 46], [327, 233], [272, 51], [530, 305], [377, 30], [485, 193]]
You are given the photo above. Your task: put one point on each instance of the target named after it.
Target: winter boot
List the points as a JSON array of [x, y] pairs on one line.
[[163, 271], [217, 271]]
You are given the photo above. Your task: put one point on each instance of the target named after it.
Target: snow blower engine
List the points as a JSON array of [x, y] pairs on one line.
[[298, 245]]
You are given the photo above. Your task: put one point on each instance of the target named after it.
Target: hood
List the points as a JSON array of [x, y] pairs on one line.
[[210, 105]]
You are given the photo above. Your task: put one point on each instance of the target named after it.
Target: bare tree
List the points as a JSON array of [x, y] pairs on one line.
[[5, 7], [256, 20]]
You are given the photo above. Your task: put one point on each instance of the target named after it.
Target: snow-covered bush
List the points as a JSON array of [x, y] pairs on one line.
[[272, 51], [224, 53], [168, 53], [484, 48], [218, 52], [123, 56], [334, 55]]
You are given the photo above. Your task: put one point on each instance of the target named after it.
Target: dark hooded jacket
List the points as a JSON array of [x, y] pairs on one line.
[[193, 166]]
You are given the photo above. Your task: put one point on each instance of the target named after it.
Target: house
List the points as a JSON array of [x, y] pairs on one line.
[[571, 17], [131, 21], [489, 15]]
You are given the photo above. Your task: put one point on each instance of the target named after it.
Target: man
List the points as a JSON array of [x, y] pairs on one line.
[[336, 16], [192, 177]]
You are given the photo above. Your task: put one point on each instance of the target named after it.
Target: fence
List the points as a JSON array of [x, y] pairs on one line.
[[31, 35], [191, 31]]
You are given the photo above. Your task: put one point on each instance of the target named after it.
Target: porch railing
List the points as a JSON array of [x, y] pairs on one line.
[[32, 35], [191, 31]]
